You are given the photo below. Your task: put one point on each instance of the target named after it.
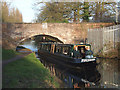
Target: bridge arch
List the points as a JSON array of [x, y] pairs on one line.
[[52, 38], [55, 39]]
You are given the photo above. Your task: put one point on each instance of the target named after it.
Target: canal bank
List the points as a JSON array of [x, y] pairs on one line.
[[27, 72], [113, 54], [110, 54]]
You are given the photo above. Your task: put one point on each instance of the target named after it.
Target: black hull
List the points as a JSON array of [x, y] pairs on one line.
[[63, 60]]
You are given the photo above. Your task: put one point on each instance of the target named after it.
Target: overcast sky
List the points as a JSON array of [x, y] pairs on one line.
[[25, 7]]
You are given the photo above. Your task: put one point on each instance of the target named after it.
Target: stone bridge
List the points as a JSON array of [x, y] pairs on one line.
[[65, 32]]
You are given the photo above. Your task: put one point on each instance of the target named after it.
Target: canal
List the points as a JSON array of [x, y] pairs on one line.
[[105, 74]]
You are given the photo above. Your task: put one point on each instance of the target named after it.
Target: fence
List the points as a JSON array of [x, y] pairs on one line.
[[104, 39]]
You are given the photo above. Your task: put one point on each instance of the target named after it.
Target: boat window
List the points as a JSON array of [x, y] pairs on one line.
[[65, 50], [60, 49], [82, 49], [57, 49]]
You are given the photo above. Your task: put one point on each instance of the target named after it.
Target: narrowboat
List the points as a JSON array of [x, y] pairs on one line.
[[68, 53]]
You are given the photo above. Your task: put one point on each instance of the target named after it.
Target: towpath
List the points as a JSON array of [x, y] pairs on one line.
[[18, 57]]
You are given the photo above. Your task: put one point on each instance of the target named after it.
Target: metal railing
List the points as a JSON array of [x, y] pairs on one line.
[[105, 39]]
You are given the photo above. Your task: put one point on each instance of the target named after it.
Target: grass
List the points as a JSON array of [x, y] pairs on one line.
[[27, 72], [8, 54]]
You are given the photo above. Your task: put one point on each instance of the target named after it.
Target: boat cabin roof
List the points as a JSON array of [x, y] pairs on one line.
[[67, 44]]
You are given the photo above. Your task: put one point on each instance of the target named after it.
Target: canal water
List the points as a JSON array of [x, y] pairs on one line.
[[106, 74]]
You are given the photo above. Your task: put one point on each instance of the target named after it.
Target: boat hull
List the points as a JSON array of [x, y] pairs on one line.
[[63, 60]]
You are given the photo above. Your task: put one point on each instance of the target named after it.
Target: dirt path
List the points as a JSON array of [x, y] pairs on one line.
[[18, 57]]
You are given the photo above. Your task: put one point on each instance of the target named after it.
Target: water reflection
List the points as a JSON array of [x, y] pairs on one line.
[[74, 78], [108, 69], [105, 75], [30, 44]]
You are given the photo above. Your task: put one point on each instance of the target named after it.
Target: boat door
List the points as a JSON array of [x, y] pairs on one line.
[[82, 49], [52, 48]]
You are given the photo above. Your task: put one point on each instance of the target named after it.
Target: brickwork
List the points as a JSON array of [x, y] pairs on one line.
[[66, 32]]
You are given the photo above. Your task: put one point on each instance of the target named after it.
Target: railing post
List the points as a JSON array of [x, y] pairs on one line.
[[114, 38]]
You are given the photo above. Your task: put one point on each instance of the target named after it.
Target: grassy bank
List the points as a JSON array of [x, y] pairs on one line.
[[8, 54], [27, 72]]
